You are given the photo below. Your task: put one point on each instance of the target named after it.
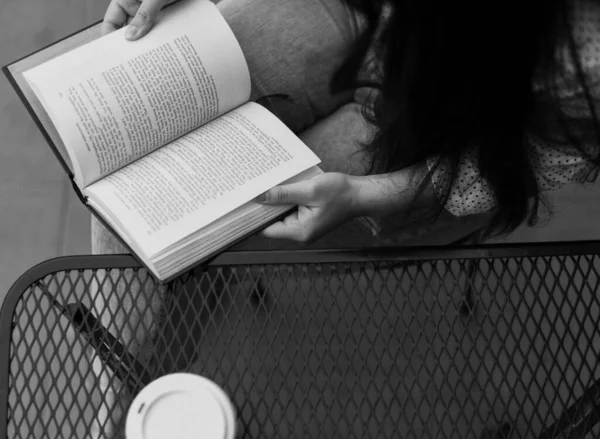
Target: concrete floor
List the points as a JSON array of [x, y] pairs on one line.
[[40, 217]]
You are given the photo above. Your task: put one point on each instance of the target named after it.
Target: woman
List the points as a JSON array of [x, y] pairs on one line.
[[489, 109], [418, 110]]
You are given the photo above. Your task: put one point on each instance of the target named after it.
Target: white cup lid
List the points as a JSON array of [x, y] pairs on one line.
[[181, 406]]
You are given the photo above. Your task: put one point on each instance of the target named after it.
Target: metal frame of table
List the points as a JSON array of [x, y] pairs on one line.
[[556, 267]]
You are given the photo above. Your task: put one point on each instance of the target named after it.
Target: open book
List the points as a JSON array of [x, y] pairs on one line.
[[162, 143]]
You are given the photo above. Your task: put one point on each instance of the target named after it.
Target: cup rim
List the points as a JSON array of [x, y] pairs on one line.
[[183, 381]]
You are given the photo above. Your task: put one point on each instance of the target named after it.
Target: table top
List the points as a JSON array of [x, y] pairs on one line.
[[358, 343]]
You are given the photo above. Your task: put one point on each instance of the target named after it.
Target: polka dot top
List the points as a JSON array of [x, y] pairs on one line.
[[555, 165]]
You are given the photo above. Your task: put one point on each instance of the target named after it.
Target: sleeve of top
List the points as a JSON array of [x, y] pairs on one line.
[[554, 166], [470, 194]]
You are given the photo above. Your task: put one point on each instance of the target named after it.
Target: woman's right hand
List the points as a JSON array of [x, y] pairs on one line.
[[139, 14]]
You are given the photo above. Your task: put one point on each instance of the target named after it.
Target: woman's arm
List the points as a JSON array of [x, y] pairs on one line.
[[388, 195], [395, 195], [397, 199]]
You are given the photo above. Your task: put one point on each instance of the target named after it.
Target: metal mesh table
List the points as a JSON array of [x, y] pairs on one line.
[[494, 341]]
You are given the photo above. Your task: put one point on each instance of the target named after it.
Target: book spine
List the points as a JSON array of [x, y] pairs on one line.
[[80, 194], [36, 119]]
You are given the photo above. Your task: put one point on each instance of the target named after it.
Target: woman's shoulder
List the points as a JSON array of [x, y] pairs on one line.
[[585, 22], [553, 155], [586, 32]]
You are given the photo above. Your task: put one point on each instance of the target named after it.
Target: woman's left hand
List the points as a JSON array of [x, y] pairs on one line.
[[324, 202]]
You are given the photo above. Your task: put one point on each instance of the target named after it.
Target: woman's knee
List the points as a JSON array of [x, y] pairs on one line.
[[339, 140], [293, 48]]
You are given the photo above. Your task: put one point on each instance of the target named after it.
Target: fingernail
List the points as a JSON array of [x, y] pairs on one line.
[[261, 198], [131, 32]]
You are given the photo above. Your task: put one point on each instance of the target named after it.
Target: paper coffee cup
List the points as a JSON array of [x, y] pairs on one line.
[[182, 406]]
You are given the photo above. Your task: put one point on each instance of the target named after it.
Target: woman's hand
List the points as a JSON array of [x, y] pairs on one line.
[[329, 199], [324, 202], [142, 14]]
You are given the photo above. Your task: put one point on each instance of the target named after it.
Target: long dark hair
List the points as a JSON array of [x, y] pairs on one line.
[[459, 75]]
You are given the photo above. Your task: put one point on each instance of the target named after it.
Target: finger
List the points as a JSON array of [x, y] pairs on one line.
[[118, 14], [290, 228], [114, 18], [144, 19], [294, 193]]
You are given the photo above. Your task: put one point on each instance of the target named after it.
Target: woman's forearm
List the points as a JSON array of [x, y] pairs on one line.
[[396, 194]]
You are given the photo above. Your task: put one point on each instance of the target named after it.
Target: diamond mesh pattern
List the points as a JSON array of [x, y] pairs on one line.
[[348, 350]]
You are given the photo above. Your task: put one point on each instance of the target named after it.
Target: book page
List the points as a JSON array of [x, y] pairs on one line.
[[113, 101], [181, 188], [14, 74]]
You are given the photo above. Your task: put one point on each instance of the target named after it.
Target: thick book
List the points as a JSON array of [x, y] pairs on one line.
[[159, 137]]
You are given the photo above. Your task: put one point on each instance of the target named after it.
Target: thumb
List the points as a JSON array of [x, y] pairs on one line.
[[289, 228], [144, 19], [293, 193]]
